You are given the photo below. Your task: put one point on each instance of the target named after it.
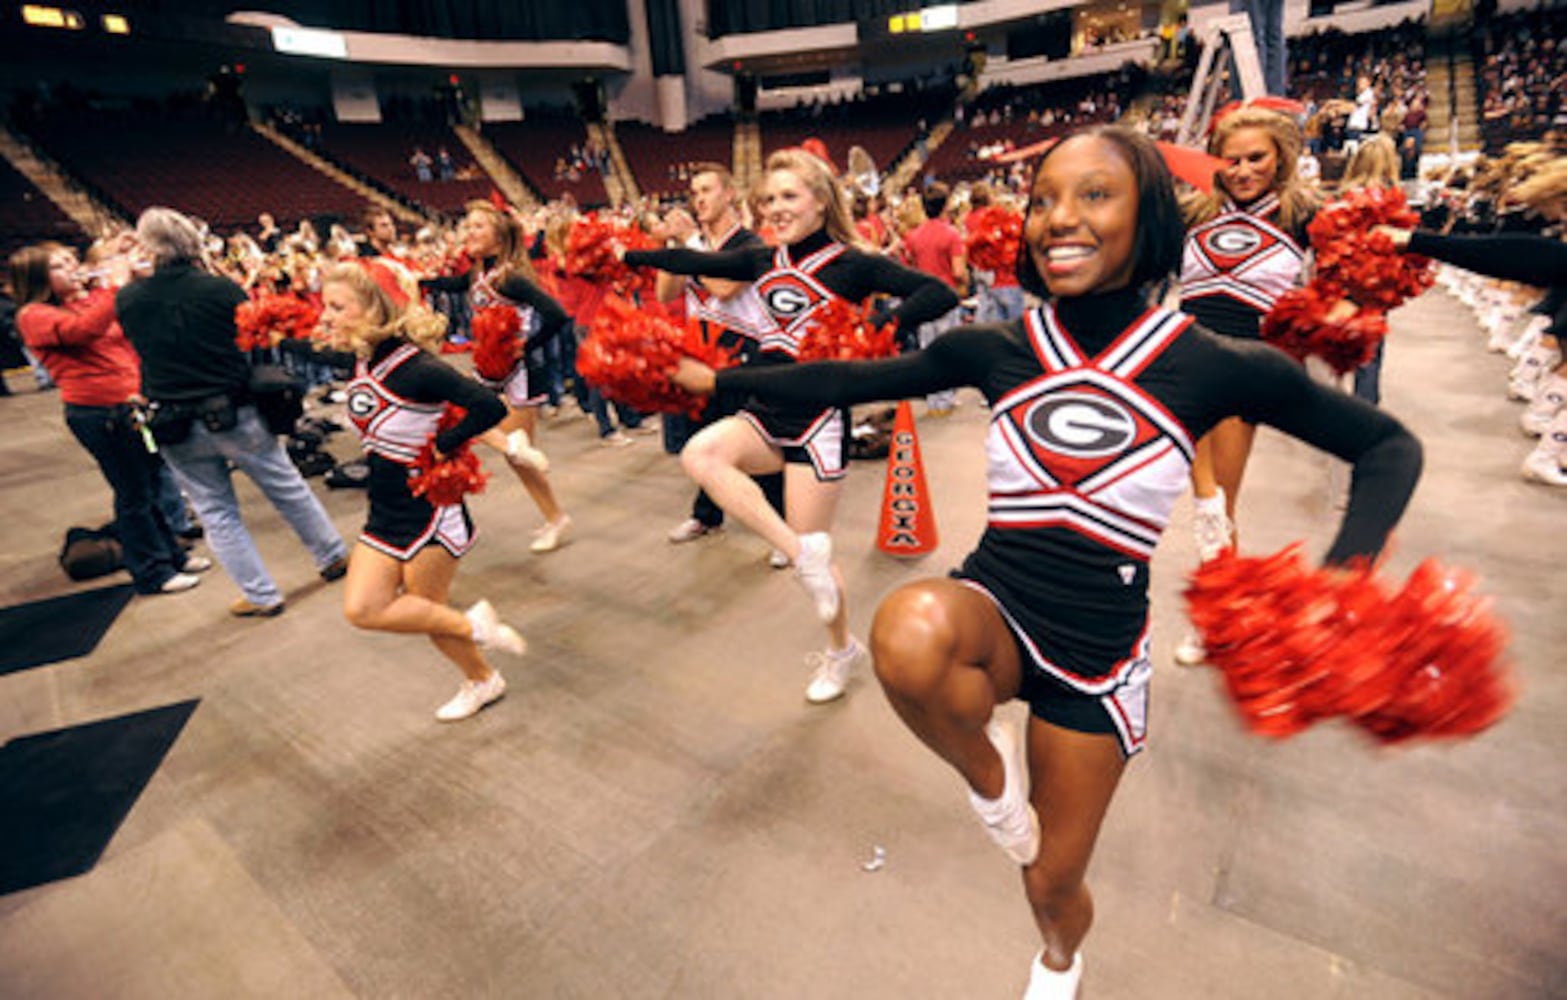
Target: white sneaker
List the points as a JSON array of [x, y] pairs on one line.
[[778, 559], [813, 569], [614, 439], [1189, 652], [179, 583], [1544, 464], [690, 530], [472, 696], [1048, 984], [1532, 369], [1532, 332], [833, 670], [489, 632], [552, 536], [1211, 526], [520, 451], [1549, 398], [1010, 820], [196, 564]]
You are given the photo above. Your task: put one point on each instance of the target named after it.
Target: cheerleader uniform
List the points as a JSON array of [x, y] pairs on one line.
[[395, 401], [527, 384], [1096, 403], [1235, 266], [794, 283]]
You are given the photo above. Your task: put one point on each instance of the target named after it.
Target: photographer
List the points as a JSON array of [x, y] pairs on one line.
[[181, 321]]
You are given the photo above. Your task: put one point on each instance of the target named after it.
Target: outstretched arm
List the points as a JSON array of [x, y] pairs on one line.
[[746, 264], [954, 360], [1533, 260], [1385, 455]]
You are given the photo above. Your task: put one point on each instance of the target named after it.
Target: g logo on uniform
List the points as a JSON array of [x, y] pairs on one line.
[[787, 300], [1234, 241], [361, 404], [1081, 426]]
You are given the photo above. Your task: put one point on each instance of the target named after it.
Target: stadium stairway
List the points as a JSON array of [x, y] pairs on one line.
[[507, 180], [399, 211], [901, 174], [747, 153], [619, 183], [91, 215]]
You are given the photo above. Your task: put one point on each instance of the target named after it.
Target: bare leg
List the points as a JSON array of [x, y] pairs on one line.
[[1230, 448], [1074, 776], [386, 595], [535, 482], [722, 458], [946, 659]]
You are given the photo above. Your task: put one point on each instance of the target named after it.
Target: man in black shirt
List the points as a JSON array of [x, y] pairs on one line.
[[181, 321]]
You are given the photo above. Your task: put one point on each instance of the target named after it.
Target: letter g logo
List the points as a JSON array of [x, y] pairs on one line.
[[1080, 425]]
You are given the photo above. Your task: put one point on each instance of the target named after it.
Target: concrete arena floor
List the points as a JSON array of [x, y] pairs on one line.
[[654, 811]]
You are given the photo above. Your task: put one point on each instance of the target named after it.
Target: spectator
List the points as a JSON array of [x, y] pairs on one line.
[[181, 322]]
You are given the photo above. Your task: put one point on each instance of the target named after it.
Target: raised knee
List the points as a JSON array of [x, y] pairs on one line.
[[913, 639], [361, 614]]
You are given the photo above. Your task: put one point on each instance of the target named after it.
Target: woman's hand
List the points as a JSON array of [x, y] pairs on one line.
[[1400, 237], [694, 377]]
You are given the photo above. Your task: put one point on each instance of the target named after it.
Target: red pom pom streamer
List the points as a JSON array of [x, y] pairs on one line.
[[264, 322], [993, 237], [1356, 264], [1299, 326], [630, 356], [1363, 265], [497, 343], [1297, 645], [843, 332], [590, 253], [453, 477]]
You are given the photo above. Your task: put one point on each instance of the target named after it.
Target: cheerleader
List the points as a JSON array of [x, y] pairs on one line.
[[402, 568], [815, 261], [1097, 400], [503, 275], [1245, 247]]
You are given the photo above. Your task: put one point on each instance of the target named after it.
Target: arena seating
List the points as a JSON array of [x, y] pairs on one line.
[[534, 147], [223, 174], [656, 157], [29, 216], [382, 151]]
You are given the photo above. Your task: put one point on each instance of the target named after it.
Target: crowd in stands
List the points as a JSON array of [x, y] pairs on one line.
[[1520, 75]]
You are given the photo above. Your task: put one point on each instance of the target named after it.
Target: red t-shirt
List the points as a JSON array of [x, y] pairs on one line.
[[932, 246], [83, 348]]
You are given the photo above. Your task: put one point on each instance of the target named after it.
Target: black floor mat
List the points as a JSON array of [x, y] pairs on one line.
[[64, 793], [60, 628]]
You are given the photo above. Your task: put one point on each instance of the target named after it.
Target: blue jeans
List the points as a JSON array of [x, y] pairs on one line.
[[202, 464], [945, 399], [150, 550], [1000, 305], [1368, 378], [1267, 27]]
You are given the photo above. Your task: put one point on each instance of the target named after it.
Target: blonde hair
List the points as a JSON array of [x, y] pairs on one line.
[[1297, 202], [1375, 164], [1545, 191], [513, 256], [384, 318], [909, 214], [818, 179]]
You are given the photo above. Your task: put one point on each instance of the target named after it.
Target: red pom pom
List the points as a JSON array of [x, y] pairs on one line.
[[842, 332], [993, 237], [590, 253], [496, 341], [1299, 326], [264, 322], [1297, 645], [630, 356], [1362, 265], [448, 480]]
